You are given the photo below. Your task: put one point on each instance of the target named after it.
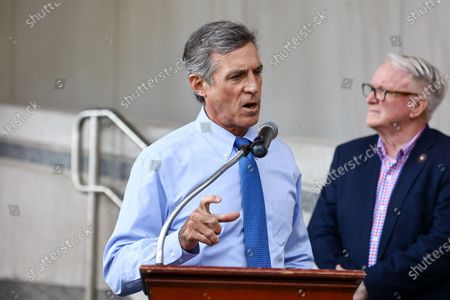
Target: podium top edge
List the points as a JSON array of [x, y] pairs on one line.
[[239, 271]]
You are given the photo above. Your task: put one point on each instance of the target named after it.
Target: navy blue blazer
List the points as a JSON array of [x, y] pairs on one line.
[[414, 251]]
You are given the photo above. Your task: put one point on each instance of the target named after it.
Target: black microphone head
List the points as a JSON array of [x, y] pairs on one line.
[[271, 125], [267, 132]]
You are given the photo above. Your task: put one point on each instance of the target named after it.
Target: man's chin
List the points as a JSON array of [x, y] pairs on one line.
[[252, 121], [375, 126], [371, 123]]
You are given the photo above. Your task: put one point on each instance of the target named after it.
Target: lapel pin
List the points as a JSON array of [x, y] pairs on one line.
[[422, 157]]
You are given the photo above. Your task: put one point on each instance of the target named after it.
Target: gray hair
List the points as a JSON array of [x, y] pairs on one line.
[[422, 71], [220, 37]]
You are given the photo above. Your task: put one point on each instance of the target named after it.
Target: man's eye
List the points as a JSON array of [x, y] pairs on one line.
[[236, 77]]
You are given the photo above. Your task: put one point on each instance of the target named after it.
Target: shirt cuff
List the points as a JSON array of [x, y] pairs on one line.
[[174, 254]]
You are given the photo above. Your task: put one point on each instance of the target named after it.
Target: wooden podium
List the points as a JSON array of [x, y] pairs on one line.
[[218, 283]]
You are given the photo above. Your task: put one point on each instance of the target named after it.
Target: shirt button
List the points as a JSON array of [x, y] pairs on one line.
[[397, 295], [172, 254], [345, 252], [363, 267], [250, 252], [250, 168], [397, 211]]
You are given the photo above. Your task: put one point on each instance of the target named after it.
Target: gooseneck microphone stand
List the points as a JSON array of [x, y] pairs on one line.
[[243, 151]]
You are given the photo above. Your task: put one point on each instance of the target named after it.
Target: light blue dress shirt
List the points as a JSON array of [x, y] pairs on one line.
[[165, 172]]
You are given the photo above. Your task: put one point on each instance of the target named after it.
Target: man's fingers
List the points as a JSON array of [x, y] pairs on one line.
[[199, 228], [205, 235], [206, 201], [216, 227], [202, 226], [228, 217], [361, 292], [212, 222], [184, 237]]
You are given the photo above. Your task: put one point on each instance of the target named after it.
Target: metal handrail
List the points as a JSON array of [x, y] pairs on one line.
[[92, 188], [76, 149]]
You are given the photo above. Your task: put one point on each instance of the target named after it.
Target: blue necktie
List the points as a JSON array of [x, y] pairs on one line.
[[255, 226]]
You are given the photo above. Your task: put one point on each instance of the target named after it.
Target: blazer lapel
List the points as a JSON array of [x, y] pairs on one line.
[[411, 170]]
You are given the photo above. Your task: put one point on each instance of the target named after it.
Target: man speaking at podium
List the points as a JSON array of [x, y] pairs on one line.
[[250, 216]]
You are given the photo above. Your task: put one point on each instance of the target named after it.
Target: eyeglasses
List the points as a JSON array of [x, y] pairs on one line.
[[380, 93]]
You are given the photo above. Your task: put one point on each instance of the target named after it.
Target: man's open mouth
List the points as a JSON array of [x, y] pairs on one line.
[[251, 105]]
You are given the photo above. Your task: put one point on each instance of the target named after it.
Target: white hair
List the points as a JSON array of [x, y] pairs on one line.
[[424, 72]]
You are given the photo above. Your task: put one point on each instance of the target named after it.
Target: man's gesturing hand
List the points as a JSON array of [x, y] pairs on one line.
[[202, 226]]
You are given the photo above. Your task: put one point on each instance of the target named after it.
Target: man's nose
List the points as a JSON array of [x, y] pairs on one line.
[[370, 99], [252, 84]]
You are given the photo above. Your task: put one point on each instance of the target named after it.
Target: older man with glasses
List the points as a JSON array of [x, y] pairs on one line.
[[390, 214]]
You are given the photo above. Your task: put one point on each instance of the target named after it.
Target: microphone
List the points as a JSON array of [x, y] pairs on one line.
[[267, 132]]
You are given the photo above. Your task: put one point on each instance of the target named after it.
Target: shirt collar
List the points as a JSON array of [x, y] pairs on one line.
[[404, 151], [218, 137]]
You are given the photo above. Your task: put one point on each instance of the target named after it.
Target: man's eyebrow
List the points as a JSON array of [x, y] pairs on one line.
[[235, 73], [259, 68], [242, 71]]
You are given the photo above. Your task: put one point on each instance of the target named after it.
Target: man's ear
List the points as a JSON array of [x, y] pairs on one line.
[[419, 108], [198, 85]]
